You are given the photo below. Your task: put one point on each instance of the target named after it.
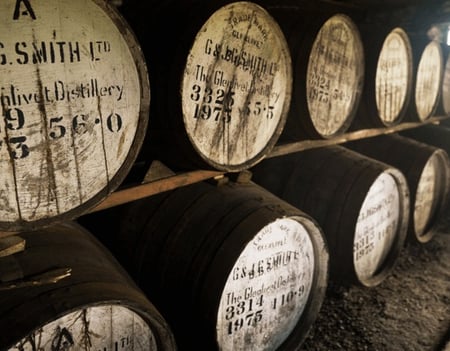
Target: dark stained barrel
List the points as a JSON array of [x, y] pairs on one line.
[[437, 135], [75, 99], [231, 266], [361, 204], [224, 78], [328, 62], [427, 170], [66, 291], [388, 77]]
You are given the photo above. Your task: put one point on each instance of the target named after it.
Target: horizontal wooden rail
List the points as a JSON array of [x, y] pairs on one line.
[[154, 187], [173, 180], [284, 149]]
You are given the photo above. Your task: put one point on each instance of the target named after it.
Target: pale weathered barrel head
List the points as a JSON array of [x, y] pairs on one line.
[[75, 98]]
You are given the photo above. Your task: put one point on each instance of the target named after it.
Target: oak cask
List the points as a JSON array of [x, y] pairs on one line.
[[66, 291], [428, 77], [224, 79], [388, 77], [361, 204], [75, 98], [231, 266], [328, 69], [427, 170]]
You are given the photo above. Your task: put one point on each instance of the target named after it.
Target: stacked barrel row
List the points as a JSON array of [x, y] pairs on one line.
[[224, 95], [231, 264]]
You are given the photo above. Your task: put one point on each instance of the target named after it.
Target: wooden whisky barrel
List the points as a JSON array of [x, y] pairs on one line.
[[388, 77], [231, 266], [66, 291], [429, 72], [328, 62], [75, 97], [225, 78], [427, 170], [361, 204]]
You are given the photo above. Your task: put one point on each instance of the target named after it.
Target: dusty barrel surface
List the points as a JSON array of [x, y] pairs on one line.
[[445, 95], [361, 204], [388, 77], [66, 291], [426, 169], [231, 267], [225, 78], [75, 98], [429, 72], [328, 62]]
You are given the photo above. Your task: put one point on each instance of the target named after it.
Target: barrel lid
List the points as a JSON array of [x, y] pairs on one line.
[[429, 76], [236, 86], [394, 77], [271, 280], [445, 98], [335, 75], [75, 97], [431, 195], [380, 230]]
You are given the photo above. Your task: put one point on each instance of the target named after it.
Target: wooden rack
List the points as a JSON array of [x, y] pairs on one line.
[[169, 181]]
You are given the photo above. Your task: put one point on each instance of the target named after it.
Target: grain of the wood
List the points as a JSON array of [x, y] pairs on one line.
[[393, 80], [429, 77], [388, 76], [328, 61], [225, 75], [253, 72], [334, 76], [75, 97]]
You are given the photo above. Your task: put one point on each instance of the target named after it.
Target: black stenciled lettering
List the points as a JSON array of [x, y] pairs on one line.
[[21, 150], [27, 12], [47, 52], [62, 341], [114, 122], [15, 119], [20, 52], [3, 60]]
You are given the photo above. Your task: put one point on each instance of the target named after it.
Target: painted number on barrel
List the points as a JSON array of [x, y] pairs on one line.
[[15, 120]]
